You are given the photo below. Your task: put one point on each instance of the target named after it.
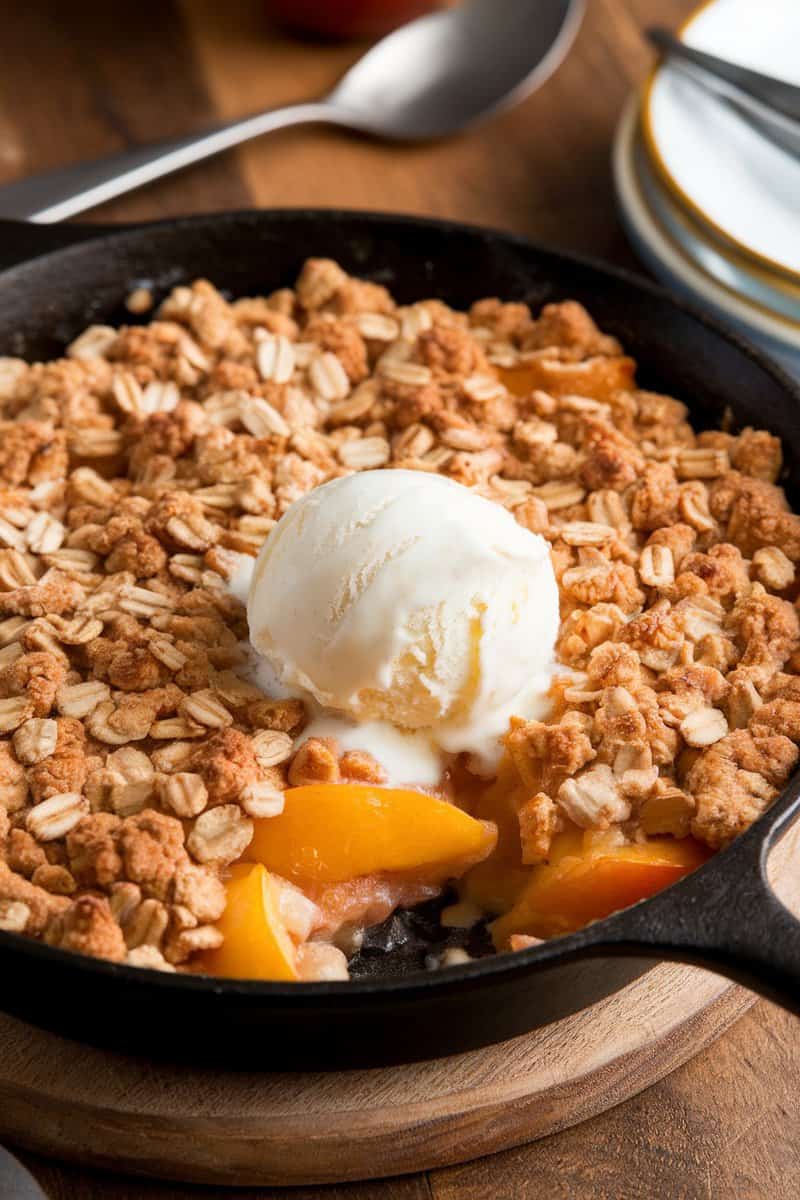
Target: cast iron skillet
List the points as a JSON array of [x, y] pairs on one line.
[[724, 916]]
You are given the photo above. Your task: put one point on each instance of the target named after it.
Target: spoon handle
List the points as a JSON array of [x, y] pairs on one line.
[[57, 195]]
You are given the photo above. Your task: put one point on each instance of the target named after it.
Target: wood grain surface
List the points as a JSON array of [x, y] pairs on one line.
[[86, 78], [236, 1127]]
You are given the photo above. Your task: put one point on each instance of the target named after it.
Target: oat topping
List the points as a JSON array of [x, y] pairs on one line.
[[138, 469]]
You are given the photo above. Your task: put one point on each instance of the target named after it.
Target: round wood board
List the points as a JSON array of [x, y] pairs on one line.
[[207, 1126]]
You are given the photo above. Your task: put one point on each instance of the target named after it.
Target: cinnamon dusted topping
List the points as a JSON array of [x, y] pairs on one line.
[[88, 927], [538, 822], [138, 470], [317, 761], [357, 766]]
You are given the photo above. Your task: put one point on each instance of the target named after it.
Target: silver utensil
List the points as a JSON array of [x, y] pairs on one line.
[[771, 106], [783, 97], [15, 1182], [431, 78]]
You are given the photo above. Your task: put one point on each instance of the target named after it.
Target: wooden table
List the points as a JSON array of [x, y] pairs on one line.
[[87, 78]]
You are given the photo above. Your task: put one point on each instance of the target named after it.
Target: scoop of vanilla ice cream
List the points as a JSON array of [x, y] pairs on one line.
[[401, 596]]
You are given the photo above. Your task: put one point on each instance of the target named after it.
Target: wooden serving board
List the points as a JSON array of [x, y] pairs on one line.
[[108, 1110]]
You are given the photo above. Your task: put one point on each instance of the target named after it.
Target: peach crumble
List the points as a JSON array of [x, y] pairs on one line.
[[158, 808]]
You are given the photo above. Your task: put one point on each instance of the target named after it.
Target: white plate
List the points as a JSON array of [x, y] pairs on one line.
[[673, 266], [745, 188], [733, 271]]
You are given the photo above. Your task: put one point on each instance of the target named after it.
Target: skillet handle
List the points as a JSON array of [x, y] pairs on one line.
[[21, 240], [725, 917]]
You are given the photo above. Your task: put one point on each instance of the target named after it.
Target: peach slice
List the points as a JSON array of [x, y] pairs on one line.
[[495, 883], [573, 890], [328, 833], [257, 945], [598, 378]]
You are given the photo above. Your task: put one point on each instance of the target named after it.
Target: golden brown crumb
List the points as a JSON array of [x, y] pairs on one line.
[[721, 573], [317, 761], [286, 716], [545, 755], [569, 325], [88, 927], [755, 514], [341, 339], [360, 767], [733, 782], [758, 453], [607, 464], [655, 498], [32, 451], [538, 822], [151, 845], [226, 762], [200, 890], [23, 852], [93, 850], [37, 677], [42, 907]]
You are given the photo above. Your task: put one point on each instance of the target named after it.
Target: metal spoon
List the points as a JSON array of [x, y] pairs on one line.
[[430, 78], [15, 1182]]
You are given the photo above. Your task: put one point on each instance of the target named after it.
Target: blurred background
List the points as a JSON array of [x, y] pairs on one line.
[[650, 170], [89, 78]]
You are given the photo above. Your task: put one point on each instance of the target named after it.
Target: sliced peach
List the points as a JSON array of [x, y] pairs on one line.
[[256, 944], [495, 883], [599, 378], [331, 832], [573, 889]]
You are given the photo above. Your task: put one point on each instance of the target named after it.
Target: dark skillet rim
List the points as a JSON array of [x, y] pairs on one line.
[[448, 979]]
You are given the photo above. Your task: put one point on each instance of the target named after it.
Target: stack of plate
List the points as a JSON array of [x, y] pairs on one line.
[[712, 207]]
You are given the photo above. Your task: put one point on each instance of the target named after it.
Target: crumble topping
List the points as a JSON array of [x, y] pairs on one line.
[[137, 471]]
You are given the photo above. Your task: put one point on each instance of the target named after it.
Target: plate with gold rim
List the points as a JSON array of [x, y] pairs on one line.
[[674, 267], [743, 189], [778, 296]]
